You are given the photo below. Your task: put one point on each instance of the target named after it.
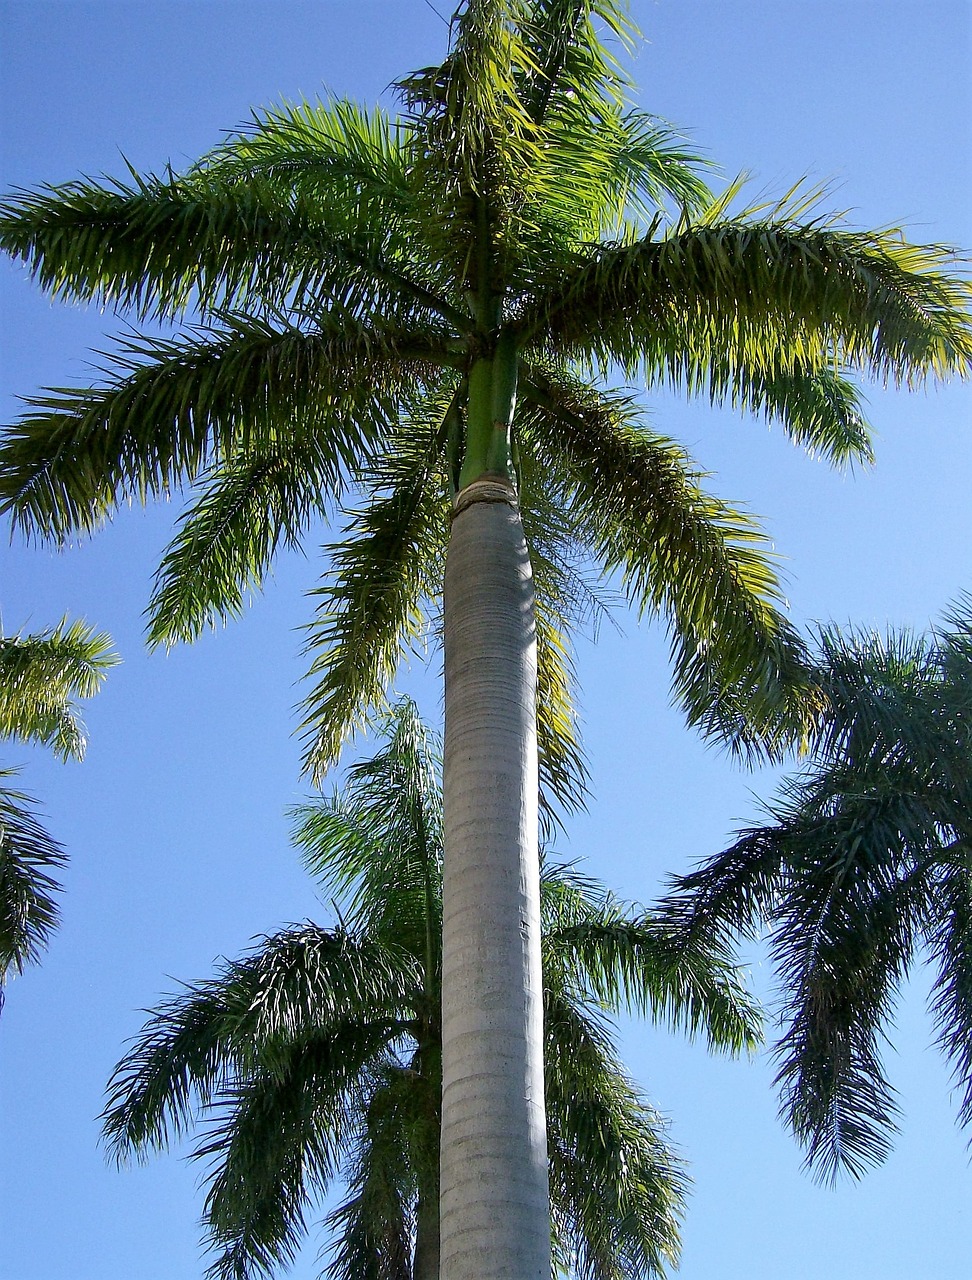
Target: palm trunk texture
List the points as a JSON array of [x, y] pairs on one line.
[[495, 1218]]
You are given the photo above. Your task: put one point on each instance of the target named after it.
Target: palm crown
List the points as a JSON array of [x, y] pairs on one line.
[[862, 867], [318, 1055], [377, 292]]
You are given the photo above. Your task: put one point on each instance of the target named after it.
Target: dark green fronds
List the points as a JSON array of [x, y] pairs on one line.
[[863, 860], [40, 676], [193, 1045], [28, 904], [645, 963], [374, 1228], [278, 1144]]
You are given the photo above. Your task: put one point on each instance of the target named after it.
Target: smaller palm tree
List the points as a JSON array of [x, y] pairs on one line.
[[41, 676], [318, 1056], [864, 865]]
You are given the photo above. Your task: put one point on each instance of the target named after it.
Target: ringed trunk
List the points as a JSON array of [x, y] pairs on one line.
[[494, 1206]]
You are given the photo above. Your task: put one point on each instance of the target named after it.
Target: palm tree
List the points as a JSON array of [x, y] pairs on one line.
[[318, 1055], [420, 314], [864, 865], [41, 674]]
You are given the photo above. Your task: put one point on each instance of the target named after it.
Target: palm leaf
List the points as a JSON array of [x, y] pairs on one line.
[[40, 676], [172, 408], [740, 670], [28, 904]]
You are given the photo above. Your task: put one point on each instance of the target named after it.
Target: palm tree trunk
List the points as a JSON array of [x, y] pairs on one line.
[[494, 1206]]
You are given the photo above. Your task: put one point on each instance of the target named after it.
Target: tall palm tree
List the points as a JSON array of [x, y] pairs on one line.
[[319, 1054], [864, 865], [426, 309], [41, 675]]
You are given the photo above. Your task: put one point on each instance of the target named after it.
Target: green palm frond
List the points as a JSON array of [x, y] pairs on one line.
[[617, 1188], [740, 671], [635, 960], [304, 979], [29, 912], [158, 244], [752, 288], [950, 944], [279, 1141], [373, 604], [861, 862], [373, 1229], [174, 407], [225, 543], [376, 846], [41, 674]]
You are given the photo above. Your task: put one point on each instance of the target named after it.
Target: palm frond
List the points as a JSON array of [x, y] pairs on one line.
[[174, 407], [764, 288], [371, 606], [863, 858], [192, 1046], [276, 1147], [617, 1189], [373, 1229], [740, 669], [28, 903], [40, 676], [644, 962], [226, 541]]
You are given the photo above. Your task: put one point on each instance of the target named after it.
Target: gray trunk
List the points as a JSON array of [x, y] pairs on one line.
[[494, 1207]]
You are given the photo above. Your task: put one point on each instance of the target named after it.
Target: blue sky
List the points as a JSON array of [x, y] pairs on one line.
[[176, 821]]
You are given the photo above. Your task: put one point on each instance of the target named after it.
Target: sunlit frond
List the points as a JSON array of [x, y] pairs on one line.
[[739, 667], [759, 290], [41, 674]]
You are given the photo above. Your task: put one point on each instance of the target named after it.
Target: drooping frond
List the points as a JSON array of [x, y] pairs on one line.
[[617, 1189], [28, 904], [640, 961], [374, 1228], [40, 676], [225, 543], [739, 666], [193, 1046], [862, 860], [277, 1145], [372, 604]]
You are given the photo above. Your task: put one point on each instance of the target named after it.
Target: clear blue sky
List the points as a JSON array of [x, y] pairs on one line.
[[176, 820]]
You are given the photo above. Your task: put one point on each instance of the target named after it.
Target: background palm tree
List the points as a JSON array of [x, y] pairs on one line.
[[426, 304], [864, 866], [318, 1056], [41, 675]]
